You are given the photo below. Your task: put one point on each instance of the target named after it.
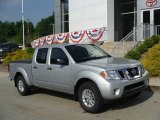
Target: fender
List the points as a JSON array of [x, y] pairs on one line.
[[24, 74], [93, 76]]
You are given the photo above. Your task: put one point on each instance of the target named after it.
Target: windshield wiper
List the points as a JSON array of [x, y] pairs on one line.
[[83, 59], [106, 56], [91, 58]]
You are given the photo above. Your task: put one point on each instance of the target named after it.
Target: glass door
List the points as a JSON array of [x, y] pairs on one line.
[[157, 21], [146, 17], [146, 20], [151, 22]]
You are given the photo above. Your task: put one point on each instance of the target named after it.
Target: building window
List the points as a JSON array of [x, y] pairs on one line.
[[128, 15], [65, 16], [125, 17], [127, 6]]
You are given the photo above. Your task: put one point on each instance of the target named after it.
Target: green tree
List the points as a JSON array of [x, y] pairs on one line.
[[44, 27], [3, 39], [6, 30], [12, 31]]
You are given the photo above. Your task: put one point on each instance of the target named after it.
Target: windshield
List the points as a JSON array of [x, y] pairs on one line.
[[82, 53]]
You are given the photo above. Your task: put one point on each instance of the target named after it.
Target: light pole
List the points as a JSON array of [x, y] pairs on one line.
[[134, 26], [23, 26], [53, 27]]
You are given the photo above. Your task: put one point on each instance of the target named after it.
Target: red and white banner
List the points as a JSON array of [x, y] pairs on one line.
[[36, 43], [42, 41], [61, 38], [95, 34], [76, 37], [49, 39], [33, 44]]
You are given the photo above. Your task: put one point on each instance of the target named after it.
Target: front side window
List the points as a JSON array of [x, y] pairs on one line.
[[57, 53], [42, 55]]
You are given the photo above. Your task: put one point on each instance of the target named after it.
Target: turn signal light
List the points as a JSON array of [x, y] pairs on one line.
[[103, 74]]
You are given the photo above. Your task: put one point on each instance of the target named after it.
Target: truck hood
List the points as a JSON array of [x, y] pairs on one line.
[[110, 63]]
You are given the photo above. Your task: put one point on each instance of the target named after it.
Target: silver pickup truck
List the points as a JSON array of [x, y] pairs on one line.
[[83, 70]]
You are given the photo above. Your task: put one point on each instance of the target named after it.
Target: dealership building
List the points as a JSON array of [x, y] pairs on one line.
[[119, 17]]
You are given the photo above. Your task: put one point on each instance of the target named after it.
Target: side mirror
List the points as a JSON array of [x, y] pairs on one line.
[[62, 61]]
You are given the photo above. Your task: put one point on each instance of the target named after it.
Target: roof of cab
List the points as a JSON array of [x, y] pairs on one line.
[[58, 45]]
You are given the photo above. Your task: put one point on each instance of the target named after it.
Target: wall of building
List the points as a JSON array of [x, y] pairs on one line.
[[58, 17], [87, 14], [90, 14], [110, 19]]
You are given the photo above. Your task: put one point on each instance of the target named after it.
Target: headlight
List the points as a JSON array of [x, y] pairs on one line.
[[110, 75], [1, 50]]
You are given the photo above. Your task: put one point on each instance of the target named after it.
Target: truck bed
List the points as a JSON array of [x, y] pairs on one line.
[[22, 61], [23, 66]]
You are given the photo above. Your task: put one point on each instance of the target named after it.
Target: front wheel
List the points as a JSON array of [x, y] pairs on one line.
[[90, 97], [22, 87]]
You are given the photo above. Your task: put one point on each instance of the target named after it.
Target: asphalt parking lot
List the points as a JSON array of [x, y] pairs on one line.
[[3, 68], [48, 105]]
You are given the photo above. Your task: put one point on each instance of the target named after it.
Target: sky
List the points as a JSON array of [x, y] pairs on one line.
[[34, 10]]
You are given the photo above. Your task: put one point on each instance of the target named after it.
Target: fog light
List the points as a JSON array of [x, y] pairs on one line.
[[116, 91]]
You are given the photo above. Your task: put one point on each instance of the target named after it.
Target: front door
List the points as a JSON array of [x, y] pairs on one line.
[[59, 75]]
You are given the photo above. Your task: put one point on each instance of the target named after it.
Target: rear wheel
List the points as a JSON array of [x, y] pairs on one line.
[[90, 98], [22, 87]]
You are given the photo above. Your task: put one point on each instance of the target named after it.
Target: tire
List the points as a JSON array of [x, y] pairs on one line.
[[21, 85], [90, 97]]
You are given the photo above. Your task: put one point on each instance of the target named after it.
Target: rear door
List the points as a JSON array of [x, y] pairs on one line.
[[39, 67]]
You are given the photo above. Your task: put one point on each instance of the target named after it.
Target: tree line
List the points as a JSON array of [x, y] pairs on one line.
[[12, 31]]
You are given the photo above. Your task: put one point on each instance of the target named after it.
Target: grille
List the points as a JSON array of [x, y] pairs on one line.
[[121, 74], [129, 73], [133, 71], [133, 86]]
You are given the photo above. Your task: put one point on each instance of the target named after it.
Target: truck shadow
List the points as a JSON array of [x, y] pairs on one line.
[[109, 106], [53, 93], [128, 102]]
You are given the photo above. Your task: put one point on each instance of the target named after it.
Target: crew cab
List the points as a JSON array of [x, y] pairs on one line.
[[83, 70]]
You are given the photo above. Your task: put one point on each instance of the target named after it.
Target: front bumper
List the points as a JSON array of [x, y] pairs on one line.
[[115, 89]]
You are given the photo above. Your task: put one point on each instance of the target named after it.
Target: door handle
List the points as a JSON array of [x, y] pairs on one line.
[[49, 68], [35, 67]]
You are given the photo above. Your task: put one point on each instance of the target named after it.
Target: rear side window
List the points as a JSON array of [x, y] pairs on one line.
[[42, 55]]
